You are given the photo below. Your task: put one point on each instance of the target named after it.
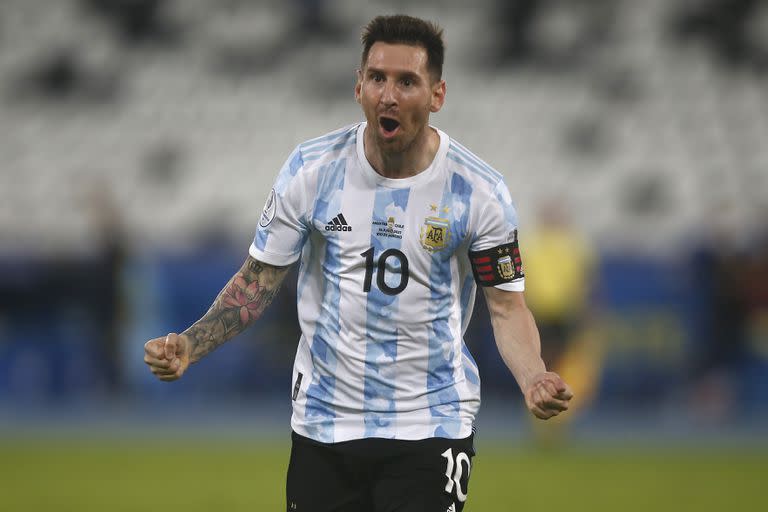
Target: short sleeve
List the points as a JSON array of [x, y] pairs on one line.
[[283, 227], [495, 252]]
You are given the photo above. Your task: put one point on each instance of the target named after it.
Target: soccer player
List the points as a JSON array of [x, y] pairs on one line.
[[394, 224]]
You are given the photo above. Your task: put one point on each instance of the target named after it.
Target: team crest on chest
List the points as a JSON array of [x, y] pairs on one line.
[[435, 233]]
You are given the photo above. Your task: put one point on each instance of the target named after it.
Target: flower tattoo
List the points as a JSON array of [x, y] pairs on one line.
[[244, 296]]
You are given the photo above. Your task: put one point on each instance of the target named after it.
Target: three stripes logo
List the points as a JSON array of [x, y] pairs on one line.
[[338, 223]]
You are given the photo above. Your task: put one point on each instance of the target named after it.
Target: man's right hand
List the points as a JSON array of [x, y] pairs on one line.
[[168, 357]]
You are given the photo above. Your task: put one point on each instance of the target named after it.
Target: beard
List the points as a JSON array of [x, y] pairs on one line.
[[401, 143]]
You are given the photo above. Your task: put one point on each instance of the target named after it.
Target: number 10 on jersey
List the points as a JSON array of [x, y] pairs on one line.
[[381, 268]]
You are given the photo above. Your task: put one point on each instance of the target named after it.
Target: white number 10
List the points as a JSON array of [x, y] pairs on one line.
[[455, 477]]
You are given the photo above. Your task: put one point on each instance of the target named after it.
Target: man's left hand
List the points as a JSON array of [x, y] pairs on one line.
[[547, 395]]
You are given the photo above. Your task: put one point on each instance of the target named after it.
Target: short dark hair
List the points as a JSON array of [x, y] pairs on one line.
[[402, 29]]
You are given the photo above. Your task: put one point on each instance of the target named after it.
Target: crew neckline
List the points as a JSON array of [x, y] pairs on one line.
[[410, 181]]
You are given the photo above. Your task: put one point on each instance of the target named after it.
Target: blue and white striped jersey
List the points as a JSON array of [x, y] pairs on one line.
[[386, 288]]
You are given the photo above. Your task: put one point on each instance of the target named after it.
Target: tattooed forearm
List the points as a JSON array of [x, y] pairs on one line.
[[237, 306]]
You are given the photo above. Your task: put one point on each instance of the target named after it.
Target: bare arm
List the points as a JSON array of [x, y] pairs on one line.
[[517, 339], [238, 305], [517, 336]]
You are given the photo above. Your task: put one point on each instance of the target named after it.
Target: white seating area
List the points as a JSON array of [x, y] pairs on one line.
[[185, 147]]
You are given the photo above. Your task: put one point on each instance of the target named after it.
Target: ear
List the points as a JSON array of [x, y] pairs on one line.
[[438, 96], [358, 85]]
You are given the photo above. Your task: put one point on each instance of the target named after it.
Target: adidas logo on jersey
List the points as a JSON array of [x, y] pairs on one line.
[[338, 223]]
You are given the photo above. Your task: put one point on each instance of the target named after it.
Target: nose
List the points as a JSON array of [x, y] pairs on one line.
[[388, 94]]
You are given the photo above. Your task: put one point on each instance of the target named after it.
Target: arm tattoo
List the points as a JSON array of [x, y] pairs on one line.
[[237, 306]]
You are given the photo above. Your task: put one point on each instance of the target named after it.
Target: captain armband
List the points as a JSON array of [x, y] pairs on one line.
[[498, 265]]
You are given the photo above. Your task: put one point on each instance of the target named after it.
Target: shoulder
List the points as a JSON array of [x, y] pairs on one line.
[[312, 155], [472, 168], [332, 145]]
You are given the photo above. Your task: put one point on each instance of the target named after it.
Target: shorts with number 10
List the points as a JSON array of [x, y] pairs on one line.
[[379, 475]]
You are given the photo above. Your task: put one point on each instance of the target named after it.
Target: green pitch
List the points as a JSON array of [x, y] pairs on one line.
[[190, 475]]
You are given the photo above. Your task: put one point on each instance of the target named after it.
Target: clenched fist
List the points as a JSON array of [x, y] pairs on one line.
[[168, 357], [547, 395]]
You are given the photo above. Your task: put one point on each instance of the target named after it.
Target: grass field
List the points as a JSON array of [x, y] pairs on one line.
[[190, 476]]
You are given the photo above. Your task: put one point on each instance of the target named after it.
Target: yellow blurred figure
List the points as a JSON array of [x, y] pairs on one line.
[[559, 278], [558, 273]]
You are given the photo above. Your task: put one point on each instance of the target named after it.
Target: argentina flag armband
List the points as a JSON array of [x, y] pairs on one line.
[[497, 265]]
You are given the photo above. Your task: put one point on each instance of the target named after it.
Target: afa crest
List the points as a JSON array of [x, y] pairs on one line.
[[435, 234], [505, 267]]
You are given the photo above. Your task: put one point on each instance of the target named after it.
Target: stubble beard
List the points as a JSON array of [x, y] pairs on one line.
[[398, 146]]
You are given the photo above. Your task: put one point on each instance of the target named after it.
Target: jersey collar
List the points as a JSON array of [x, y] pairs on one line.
[[411, 181]]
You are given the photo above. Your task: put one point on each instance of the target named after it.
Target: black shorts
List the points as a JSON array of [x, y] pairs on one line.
[[379, 475]]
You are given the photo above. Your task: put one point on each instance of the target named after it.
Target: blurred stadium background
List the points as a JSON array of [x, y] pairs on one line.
[[139, 139]]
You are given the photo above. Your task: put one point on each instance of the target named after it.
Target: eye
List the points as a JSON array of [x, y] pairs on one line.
[[407, 82], [377, 77]]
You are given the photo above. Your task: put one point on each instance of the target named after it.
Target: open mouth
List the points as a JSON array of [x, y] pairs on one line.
[[389, 125]]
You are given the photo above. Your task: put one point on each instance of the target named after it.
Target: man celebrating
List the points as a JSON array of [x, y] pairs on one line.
[[394, 224]]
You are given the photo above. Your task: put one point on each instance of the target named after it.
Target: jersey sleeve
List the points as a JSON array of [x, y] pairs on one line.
[[494, 253], [283, 226]]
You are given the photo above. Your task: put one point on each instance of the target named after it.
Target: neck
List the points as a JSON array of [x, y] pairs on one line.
[[416, 158]]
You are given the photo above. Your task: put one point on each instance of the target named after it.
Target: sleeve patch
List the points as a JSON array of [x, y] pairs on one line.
[[497, 265], [268, 214]]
